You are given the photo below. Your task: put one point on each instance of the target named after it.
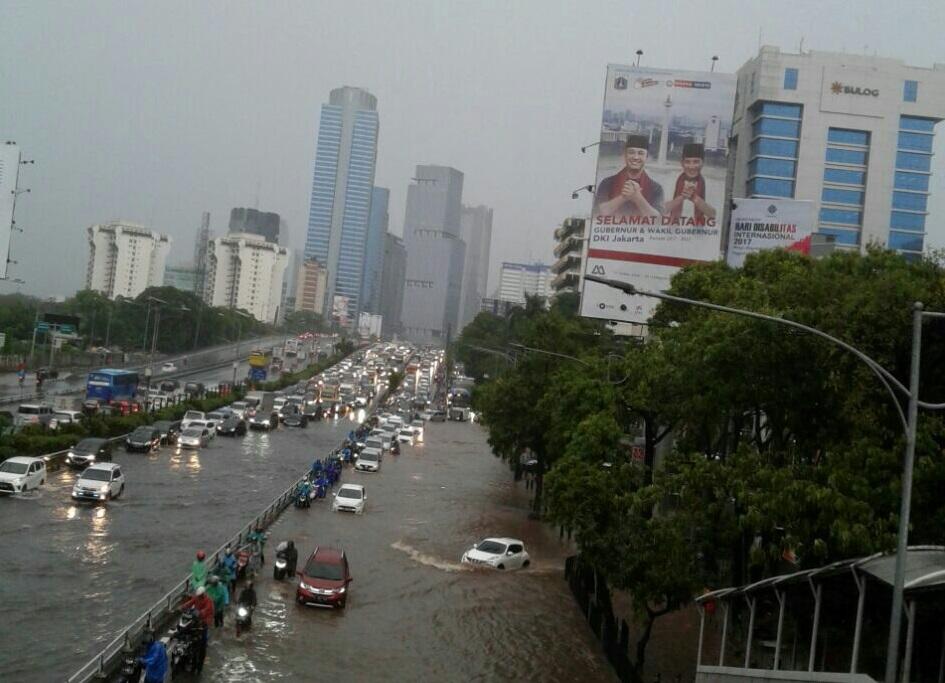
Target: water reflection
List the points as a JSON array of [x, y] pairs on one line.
[[72, 512], [193, 462], [176, 459], [97, 547]]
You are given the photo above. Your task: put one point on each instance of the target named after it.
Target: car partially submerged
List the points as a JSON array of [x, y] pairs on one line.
[[497, 553]]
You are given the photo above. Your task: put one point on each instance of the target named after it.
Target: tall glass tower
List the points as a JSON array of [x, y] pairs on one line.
[[340, 207]]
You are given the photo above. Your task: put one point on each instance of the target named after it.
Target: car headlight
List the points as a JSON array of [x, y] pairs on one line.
[[304, 586], [102, 495], [242, 612], [339, 591]]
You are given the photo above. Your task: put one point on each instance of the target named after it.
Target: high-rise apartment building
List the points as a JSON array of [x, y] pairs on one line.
[[200, 254], [310, 287], [518, 279], [125, 259], [393, 276], [374, 250], [476, 232], [265, 224], [342, 186], [852, 133], [245, 271], [435, 255], [569, 250]]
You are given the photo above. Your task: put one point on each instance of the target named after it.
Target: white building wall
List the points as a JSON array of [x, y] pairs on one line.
[[246, 272], [518, 279], [125, 259]]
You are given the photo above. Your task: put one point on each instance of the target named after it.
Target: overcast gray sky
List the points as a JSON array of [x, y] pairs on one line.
[[156, 111]]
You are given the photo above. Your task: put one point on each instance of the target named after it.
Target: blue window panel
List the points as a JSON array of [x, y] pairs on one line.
[[910, 90], [778, 127], [776, 167], [846, 156], [846, 216], [774, 148], [790, 79], [837, 196], [910, 201], [907, 221], [911, 181], [849, 237], [909, 241], [842, 175], [917, 123], [848, 137], [771, 187], [790, 111], [914, 162], [916, 141]]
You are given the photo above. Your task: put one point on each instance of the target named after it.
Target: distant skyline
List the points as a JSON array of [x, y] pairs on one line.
[[156, 112]]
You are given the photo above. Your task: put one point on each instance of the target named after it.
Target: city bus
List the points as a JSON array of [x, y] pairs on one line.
[[109, 385]]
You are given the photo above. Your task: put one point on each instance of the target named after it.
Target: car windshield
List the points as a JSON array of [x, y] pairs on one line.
[[491, 547], [192, 432], [162, 426], [239, 405], [198, 424], [193, 415], [86, 446], [368, 457], [350, 493], [14, 467], [406, 432], [97, 475], [323, 570], [142, 433], [215, 416]]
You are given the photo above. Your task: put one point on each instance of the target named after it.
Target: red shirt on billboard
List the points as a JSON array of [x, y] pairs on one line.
[[631, 192], [689, 194]]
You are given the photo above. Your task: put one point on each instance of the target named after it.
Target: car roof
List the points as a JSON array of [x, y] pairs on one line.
[[503, 539], [353, 486], [25, 459], [326, 554], [102, 466]]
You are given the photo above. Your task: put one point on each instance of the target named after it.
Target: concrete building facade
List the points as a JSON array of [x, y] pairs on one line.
[[374, 250], [125, 259], [342, 185], [435, 255], [245, 271], [310, 287], [476, 232], [393, 277], [264, 224], [518, 279], [569, 250], [852, 133]]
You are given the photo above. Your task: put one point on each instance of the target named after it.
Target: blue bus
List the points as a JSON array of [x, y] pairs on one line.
[[109, 385]]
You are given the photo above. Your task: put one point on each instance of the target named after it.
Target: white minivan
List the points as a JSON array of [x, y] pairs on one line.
[[20, 474], [99, 482]]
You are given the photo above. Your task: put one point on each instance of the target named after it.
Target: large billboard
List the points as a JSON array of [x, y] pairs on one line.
[[769, 224], [660, 186], [9, 168]]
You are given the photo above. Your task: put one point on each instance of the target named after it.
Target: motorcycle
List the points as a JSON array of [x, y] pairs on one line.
[[244, 618], [131, 667], [286, 559], [395, 449], [186, 640], [303, 499]]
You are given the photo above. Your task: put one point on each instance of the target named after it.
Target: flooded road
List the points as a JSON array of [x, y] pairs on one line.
[[414, 612]]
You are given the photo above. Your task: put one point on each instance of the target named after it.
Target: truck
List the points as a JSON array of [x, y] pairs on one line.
[[258, 359], [329, 392]]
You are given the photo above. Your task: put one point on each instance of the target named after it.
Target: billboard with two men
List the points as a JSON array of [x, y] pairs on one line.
[[660, 186]]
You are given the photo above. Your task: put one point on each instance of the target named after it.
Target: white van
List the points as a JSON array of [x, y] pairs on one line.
[[377, 443]]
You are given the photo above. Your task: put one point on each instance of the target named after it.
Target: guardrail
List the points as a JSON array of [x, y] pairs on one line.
[[162, 611]]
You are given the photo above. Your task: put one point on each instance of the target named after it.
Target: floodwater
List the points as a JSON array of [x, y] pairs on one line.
[[72, 575]]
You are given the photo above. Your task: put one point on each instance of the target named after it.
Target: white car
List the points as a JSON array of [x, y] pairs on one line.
[[498, 553], [417, 426], [191, 416], [21, 474], [102, 481], [65, 417], [239, 408], [406, 435], [208, 426], [168, 367], [349, 498], [194, 437], [369, 460]]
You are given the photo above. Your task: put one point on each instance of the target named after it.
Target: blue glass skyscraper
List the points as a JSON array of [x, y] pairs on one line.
[[374, 250], [342, 186]]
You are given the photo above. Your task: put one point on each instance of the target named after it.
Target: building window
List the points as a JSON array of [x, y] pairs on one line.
[[918, 182], [910, 201], [773, 164], [844, 188], [780, 168], [772, 147], [905, 240], [907, 221], [790, 79], [915, 141], [844, 237], [837, 155], [834, 195], [839, 175], [910, 91], [912, 161], [845, 136], [770, 187], [780, 128]]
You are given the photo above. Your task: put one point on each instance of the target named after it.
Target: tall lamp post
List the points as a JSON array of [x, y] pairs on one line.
[[909, 423], [149, 371], [239, 338]]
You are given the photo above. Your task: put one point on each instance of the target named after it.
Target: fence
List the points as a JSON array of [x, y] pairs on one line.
[[593, 596]]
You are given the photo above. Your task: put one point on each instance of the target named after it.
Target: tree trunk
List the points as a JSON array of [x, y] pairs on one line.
[[651, 617]]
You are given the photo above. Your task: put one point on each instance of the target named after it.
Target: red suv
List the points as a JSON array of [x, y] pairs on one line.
[[324, 581]]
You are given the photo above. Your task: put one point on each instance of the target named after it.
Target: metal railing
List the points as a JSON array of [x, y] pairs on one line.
[[166, 607]]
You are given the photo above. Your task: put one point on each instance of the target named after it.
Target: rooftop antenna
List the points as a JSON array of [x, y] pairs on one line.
[[715, 58], [800, 48], [257, 194], [639, 54]]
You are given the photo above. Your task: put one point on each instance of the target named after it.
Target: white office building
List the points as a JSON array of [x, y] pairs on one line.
[[852, 133], [125, 259], [518, 279], [245, 271]]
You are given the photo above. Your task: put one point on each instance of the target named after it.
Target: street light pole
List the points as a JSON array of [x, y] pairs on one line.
[[909, 423]]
